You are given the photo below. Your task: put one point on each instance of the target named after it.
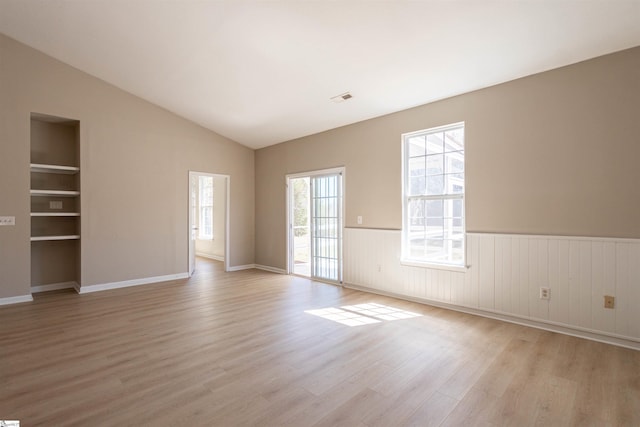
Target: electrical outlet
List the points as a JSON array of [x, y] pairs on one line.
[[55, 204], [379, 268], [609, 301], [359, 219], [545, 293], [7, 220]]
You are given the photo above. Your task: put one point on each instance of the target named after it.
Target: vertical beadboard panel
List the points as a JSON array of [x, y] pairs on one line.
[[539, 278], [506, 272], [584, 285], [501, 295], [523, 280], [486, 280], [574, 282], [634, 291], [471, 291]]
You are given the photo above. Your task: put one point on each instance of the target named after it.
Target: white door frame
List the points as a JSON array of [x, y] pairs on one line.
[[227, 218], [288, 232]]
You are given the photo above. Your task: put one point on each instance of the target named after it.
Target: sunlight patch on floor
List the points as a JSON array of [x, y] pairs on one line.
[[362, 314]]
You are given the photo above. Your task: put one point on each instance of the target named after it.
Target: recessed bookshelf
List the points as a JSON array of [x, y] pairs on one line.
[[55, 205], [66, 170], [50, 238], [55, 214]]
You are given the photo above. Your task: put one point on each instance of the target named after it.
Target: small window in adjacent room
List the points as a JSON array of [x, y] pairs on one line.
[[433, 230], [205, 199]]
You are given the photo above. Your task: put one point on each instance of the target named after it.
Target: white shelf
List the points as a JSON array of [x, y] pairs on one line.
[[60, 193], [67, 170], [45, 238], [55, 214]]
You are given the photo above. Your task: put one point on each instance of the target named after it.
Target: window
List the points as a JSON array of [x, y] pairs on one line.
[[205, 189], [433, 196]]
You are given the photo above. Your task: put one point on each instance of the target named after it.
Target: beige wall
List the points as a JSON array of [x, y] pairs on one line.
[[555, 153], [135, 159]]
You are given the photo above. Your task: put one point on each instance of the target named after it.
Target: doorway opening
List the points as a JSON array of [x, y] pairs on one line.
[[208, 218], [314, 216]]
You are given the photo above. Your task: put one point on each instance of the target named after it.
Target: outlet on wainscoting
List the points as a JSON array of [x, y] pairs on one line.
[[545, 293], [609, 301]]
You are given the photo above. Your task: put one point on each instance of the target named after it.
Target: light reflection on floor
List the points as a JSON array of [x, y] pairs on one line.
[[362, 314]]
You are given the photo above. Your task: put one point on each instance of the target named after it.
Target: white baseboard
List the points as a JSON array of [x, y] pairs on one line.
[[16, 300], [241, 267], [134, 282], [210, 256], [54, 287], [271, 269], [620, 341]]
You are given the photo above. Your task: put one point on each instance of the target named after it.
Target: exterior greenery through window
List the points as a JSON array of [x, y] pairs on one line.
[[433, 222]]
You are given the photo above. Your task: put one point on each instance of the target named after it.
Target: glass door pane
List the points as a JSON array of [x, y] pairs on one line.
[[300, 226], [326, 227]]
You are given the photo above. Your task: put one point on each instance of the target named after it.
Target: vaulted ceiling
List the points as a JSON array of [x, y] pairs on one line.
[[263, 72]]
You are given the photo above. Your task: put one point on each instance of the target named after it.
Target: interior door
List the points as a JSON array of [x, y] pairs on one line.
[[193, 227], [326, 227]]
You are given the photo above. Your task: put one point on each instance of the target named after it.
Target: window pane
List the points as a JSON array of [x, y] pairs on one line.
[[457, 251], [455, 183], [417, 181], [435, 249], [435, 208], [434, 143], [454, 162], [435, 164], [417, 185], [435, 184], [456, 208], [416, 146], [416, 213], [454, 140], [434, 222]]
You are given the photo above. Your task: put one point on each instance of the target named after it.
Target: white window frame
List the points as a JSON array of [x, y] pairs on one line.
[[405, 258], [202, 235]]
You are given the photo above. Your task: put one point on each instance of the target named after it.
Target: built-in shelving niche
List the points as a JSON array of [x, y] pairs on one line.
[[55, 203]]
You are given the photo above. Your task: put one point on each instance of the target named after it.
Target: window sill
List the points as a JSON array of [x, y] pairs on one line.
[[434, 266]]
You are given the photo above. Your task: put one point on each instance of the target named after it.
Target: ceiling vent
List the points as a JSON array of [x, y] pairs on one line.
[[342, 97]]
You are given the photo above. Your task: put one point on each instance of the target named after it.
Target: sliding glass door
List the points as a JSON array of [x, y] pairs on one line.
[[315, 225]]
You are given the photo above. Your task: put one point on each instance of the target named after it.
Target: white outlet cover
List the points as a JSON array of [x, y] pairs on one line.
[[7, 220]]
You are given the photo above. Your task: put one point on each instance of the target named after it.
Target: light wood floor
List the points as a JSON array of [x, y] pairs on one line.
[[231, 349]]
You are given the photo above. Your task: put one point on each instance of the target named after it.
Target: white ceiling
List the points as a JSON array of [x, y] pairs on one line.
[[262, 72]]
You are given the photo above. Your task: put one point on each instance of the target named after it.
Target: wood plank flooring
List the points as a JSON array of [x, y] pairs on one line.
[[238, 349]]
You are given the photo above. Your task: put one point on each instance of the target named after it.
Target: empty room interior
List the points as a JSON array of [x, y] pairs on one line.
[[357, 213]]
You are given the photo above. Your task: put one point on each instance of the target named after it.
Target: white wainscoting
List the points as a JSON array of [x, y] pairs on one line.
[[505, 275]]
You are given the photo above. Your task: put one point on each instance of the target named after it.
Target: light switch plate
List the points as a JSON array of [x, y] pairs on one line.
[[7, 220]]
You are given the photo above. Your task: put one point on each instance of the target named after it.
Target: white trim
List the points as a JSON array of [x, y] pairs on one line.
[[603, 337], [210, 256], [241, 267], [434, 266], [558, 237], [227, 217], [134, 282], [342, 171], [271, 269], [42, 168], [405, 201], [59, 193], [328, 171], [54, 287], [16, 300], [49, 238], [55, 214]]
